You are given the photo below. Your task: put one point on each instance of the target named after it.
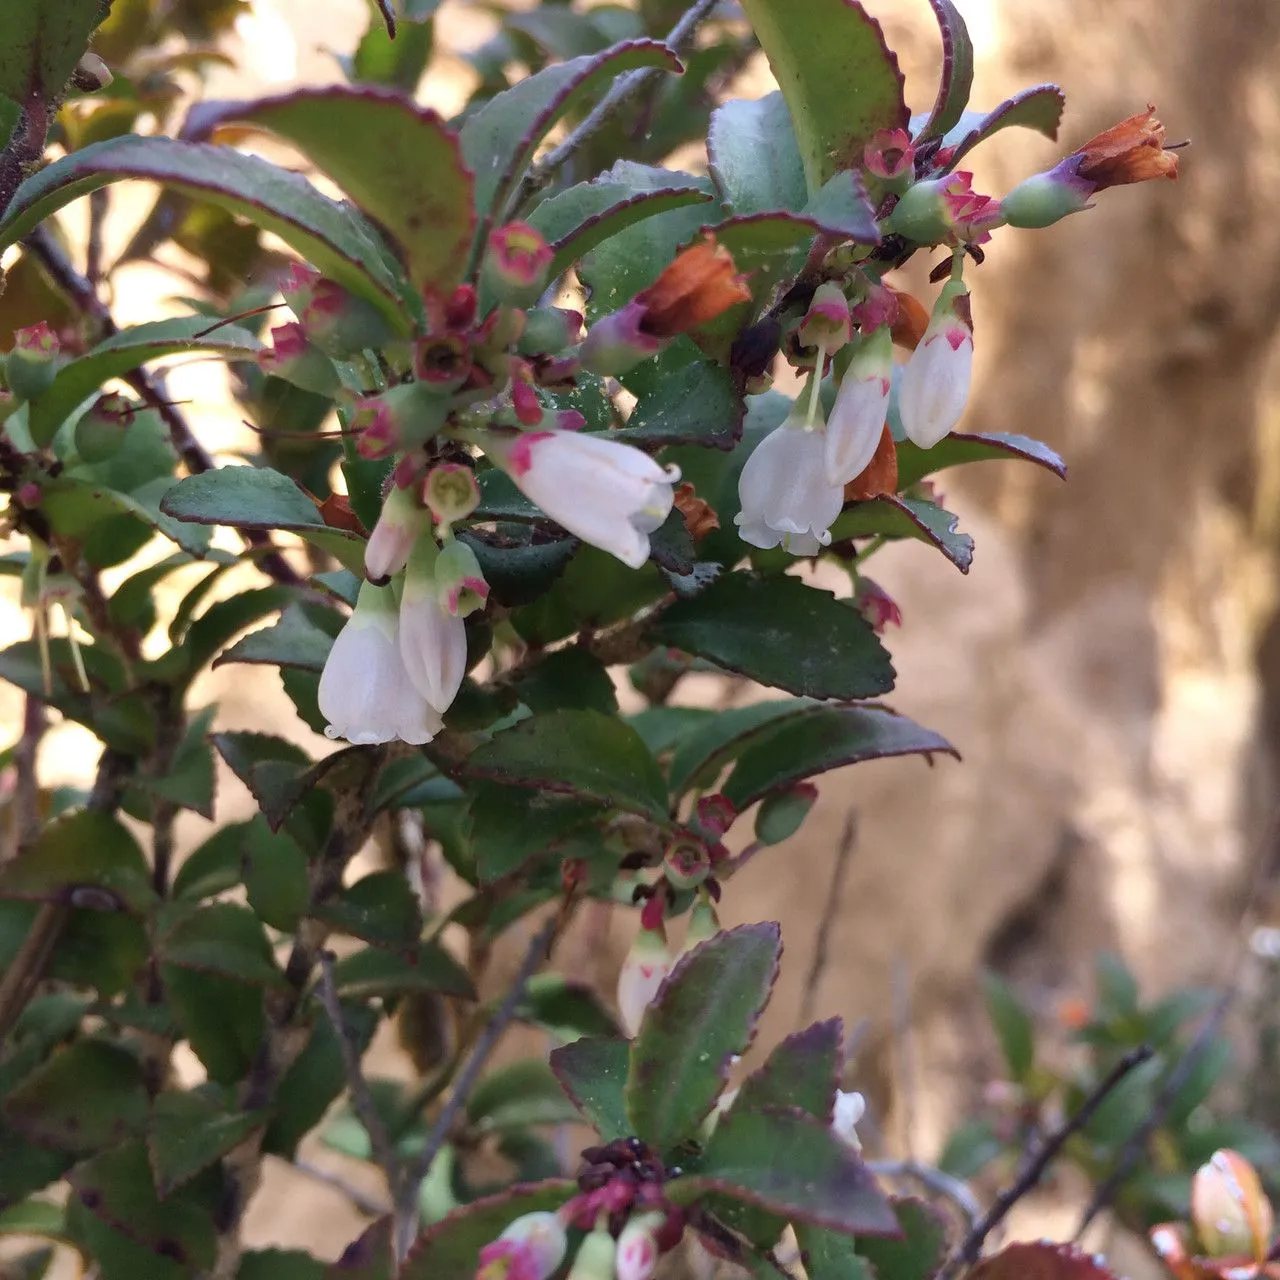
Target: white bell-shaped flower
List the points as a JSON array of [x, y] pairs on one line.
[[935, 382], [606, 493], [850, 1108], [365, 692], [401, 522], [643, 972], [857, 418]]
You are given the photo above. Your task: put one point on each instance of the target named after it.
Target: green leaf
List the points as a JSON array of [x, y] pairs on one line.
[[87, 1096], [579, 753], [42, 44], [1117, 987], [224, 940], [500, 140], [188, 1133], [398, 162], [279, 1264], [275, 771], [830, 1255], [122, 353], [85, 858], [1013, 1026], [914, 463], [817, 739], [1039, 108], [893, 517], [593, 1073], [34, 1218], [275, 875], [970, 1148], [957, 76], [754, 158], [221, 1018], [918, 1253], [372, 972], [568, 679], [519, 1094], [189, 782], [378, 59], [577, 219], [720, 737], [792, 1165], [802, 1071], [696, 405], [379, 908], [704, 1013], [816, 52], [117, 1190], [565, 1009], [213, 867], [325, 232], [452, 1246], [780, 632], [259, 498], [508, 826], [295, 642]]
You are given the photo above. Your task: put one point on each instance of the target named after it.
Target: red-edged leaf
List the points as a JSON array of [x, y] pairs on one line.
[[593, 1073], [892, 517], [914, 463], [956, 80], [918, 1253], [1041, 1260], [371, 1256], [1039, 108], [802, 1071]]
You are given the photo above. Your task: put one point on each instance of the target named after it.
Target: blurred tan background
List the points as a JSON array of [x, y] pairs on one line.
[[1110, 668]]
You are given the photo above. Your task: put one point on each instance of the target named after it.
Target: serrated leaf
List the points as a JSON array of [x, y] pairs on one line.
[[188, 1133], [817, 739], [372, 972], [893, 517], [122, 353], [780, 632], [696, 405], [593, 1073], [88, 852], [275, 875], [565, 1009], [224, 940], [830, 1255], [1013, 1026], [580, 753], [1041, 1260], [753, 156], [956, 80], [275, 771], [1039, 108], [326, 233], [720, 737], [567, 679], [792, 1165], [397, 161], [816, 51], [500, 140], [954, 450], [520, 1094], [704, 1014], [918, 1253], [222, 1019], [295, 642], [508, 826], [379, 908], [279, 1264], [259, 498], [452, 1247], [42, 44], [801, 1071], [85, 1097], [213, 867]]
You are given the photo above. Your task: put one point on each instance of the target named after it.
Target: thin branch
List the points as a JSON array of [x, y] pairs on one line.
[[26, 791], [361, 1095], [406, 1226], [1136, 1144], [366, 1204], [967, 1251], [24, 148], [939, 1183], [388, 17], [626, 87], [830, 909]]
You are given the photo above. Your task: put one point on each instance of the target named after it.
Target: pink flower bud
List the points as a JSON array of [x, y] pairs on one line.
[[643, 972], [876, 605], [459, 580], [638, 1250], [617, 343], [1231, 1212], [890, 156], [935, 382], [451, 491], [531, 1248], [714, 815], [516, 262], [442, 360], [401, 522], [827, 324], [945, 209], [340, 323], [398, 419], [549, 330], [297, 361]]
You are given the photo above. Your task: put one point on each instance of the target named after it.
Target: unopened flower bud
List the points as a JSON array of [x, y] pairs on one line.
[[943, 209], [401, 522], [849, 1109], [531, 1248], [643, 972], [935, 382], [298, 361], [890, 156], [638, 1250], [782, 813], [876, 605], [595, 1257], [686, 864], [451, 492], [442, 361], [398, 419], [714, 815], [459, 580], [827, 324], [516, 261], [1229, 1208], [704, 924], [340, 323], [549, 330], [102, 427], [91, 75], [33, 360]]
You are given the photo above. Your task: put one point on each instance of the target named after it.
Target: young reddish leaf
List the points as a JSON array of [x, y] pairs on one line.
[[704, 1014], [500, 140], [956, 81], [802, 1071], [330, 235], [452, 1246], [821, 738], [397, 161], [792, 1165], [188, 1133], [1041, 1260], [892, 517], [593, 1073], [918, 1253], [816, 51], [1039, 108], [914, 463], [85, 1097]]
